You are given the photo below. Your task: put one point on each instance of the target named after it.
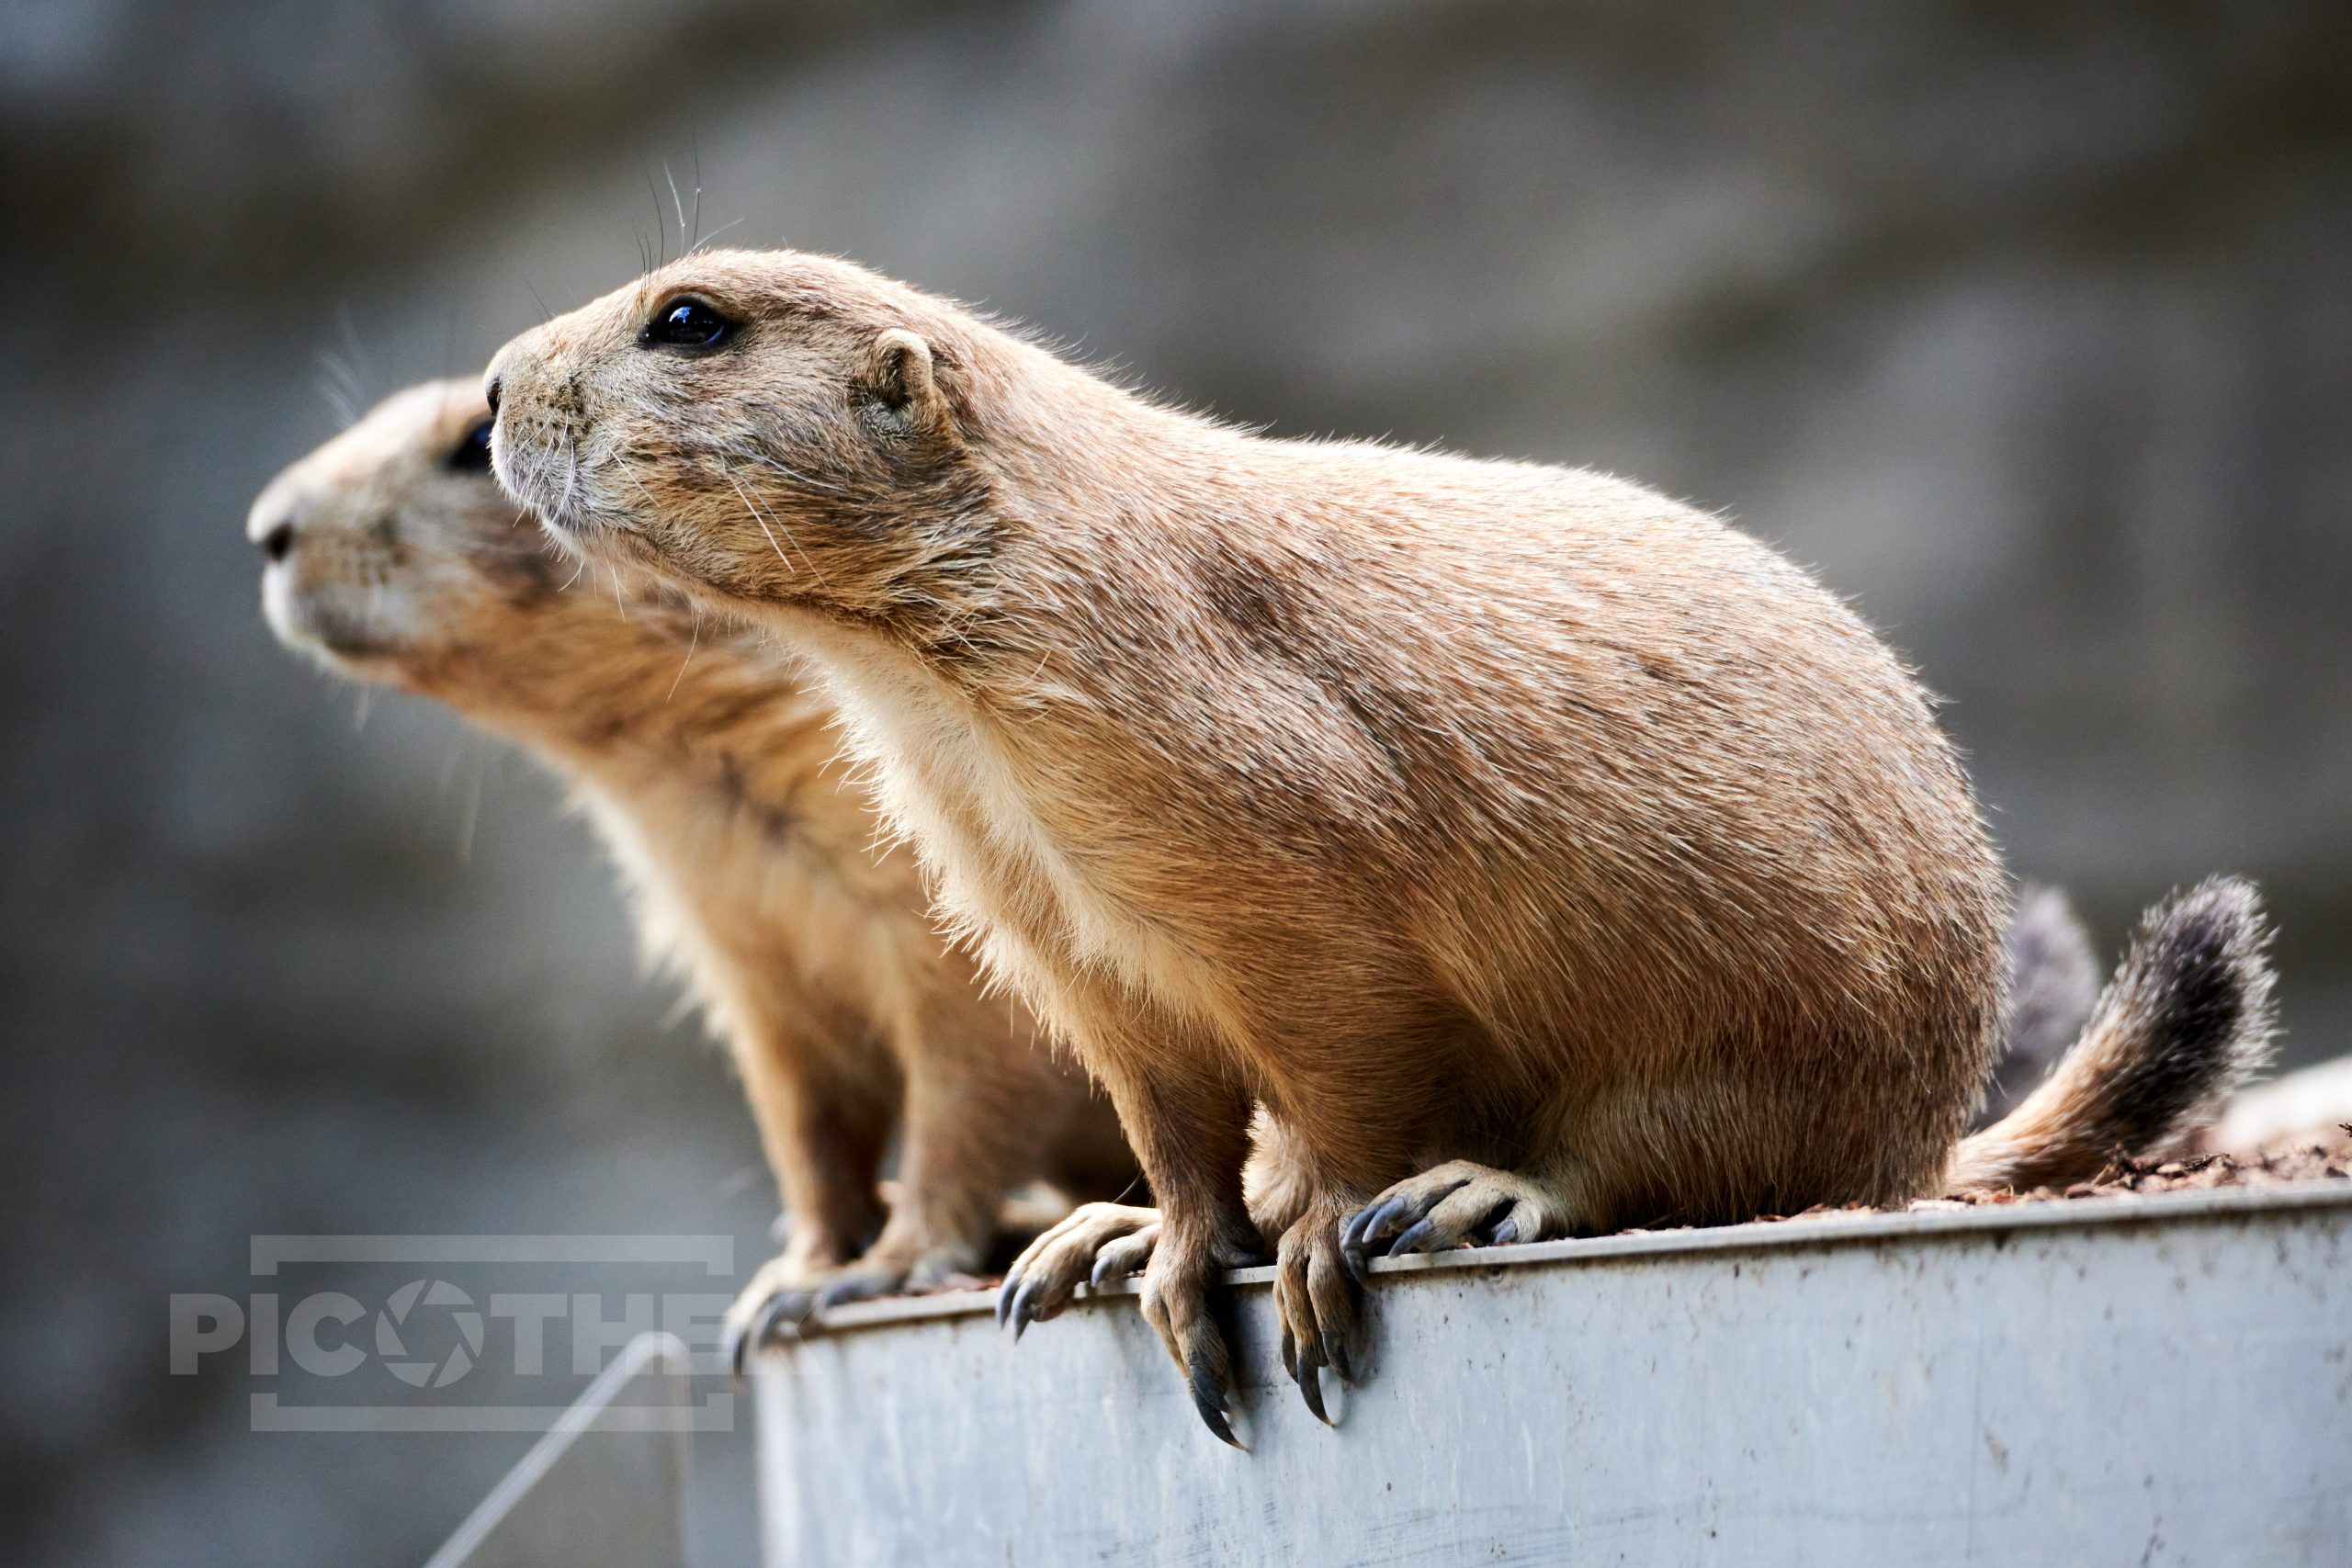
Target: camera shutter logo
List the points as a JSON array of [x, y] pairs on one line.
[[451, 1367], [430, 1332]]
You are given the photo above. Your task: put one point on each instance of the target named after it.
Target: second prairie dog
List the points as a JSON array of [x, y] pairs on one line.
[[1531, 854], [708, 766]]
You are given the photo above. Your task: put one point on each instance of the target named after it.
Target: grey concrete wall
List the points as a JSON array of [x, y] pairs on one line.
[[2024, 323], [2129, 1382]]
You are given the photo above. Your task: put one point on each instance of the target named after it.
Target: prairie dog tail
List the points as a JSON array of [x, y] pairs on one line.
[[2053, 984], [2179, 1028]]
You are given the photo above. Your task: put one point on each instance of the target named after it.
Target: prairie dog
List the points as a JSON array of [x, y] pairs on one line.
[[707, 764], [1529, 854]]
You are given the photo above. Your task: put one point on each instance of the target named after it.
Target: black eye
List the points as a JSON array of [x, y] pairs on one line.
[[472, 455], [688, 324]]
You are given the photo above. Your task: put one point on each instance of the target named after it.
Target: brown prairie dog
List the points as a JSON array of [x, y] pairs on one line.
[[1531, 854], [709, 767]]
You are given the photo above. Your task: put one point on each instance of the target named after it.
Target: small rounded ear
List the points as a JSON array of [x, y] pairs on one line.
[[899, 372]]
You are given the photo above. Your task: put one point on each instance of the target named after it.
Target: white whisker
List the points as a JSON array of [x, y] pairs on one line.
[[795, 475], [630, 474], [758, 515], [675, 202], [693, 644], [712, 237], [571, 479]]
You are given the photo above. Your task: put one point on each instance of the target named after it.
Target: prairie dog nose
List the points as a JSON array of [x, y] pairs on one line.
[[520, 363], [275, 520]]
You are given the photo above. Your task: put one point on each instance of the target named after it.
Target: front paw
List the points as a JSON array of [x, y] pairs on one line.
[[1176, 1302], [772, 1308], [1096, 1242], [786, 1292], [1316, 1303], [890, 1271]]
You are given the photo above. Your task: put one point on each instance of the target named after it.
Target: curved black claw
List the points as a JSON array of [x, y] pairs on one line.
[[782, 1311], [1018, 1306], [1430, 1236], [1335, 1355], [843, 1289], [1122, 1257], [737, 1347], [1361, 1240], [1208, 1398], [1307, 1372], [1004, 1294], [1354, 1234]]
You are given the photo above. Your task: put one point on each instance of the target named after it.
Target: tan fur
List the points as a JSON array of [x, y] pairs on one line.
[[1507, 820], [709, 767]]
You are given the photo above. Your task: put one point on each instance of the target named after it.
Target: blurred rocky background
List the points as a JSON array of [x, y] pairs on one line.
[[2028, 324]]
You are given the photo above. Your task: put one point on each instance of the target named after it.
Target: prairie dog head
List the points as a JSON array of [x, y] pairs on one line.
[[768, 428], [392, 555]]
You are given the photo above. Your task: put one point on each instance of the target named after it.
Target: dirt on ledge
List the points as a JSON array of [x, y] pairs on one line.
[[2309, 1157]]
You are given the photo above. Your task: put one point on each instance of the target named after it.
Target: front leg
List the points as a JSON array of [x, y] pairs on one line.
[[1314, 1298], [1188, 1123], [970, 1134], [1292, 1196], [1193, 1137], [1192, 1252], [824, 1130]]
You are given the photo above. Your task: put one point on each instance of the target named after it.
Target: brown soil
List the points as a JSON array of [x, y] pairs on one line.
[[2307, 1156]]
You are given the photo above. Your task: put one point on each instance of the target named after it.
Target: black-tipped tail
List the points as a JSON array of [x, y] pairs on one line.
[[2053, 984], [2181, 1028]]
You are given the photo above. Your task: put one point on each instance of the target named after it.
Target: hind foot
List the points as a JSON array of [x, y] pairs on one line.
[[1454, 1204]]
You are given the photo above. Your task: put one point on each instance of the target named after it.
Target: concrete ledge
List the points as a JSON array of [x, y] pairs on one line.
[[2159, 1379]]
